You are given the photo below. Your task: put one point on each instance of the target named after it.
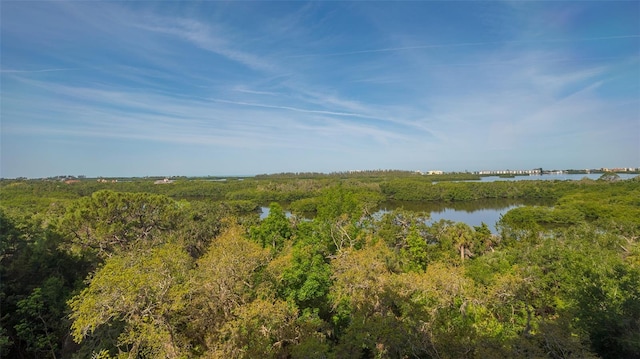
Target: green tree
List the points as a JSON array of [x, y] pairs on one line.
[[270, 329], [224, 279], [145, 291], [458, 237], [609, 177], [36, 279], [417, 250], [109, 222], [203, 222], [274, 230], [40, 314], [342, 217], [394, 227], [608, 308]]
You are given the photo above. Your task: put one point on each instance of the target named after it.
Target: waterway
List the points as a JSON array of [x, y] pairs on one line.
[[473, 213], [555, 177]]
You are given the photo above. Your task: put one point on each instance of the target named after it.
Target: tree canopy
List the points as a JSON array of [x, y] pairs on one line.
[[117, 273]]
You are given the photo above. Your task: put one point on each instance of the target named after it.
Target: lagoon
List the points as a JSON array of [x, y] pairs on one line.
[[473, 213], [554, 177]]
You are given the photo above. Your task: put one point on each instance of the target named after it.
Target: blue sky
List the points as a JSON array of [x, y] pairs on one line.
[[239, 88]]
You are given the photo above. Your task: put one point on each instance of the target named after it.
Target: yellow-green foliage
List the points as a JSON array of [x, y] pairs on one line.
[[145, 290], [205, 278]]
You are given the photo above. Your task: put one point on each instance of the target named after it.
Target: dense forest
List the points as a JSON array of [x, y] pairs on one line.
[[187, 269]]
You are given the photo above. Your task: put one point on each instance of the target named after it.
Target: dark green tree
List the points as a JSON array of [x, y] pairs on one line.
[[274, 230], [109, 222]]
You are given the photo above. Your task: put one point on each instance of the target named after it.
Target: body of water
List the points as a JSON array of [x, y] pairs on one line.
[[473, 213], [554, 177], [471, 218], [264, 212]]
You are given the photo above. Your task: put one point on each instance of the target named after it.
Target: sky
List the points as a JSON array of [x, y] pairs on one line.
[[198, 88]]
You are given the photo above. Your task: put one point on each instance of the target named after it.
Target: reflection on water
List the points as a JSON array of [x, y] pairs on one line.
[[264, 212], [554, 177], [472, 213]]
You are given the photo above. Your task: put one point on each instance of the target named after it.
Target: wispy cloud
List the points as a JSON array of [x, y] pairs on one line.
[[333, 85], [254, 92], [91, 112], [558, 81], [15, 71], [207, 38], [465, 44], [289, 108]]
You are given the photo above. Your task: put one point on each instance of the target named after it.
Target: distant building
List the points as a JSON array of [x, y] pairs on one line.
[[535, 171], [163, 181], [435, 172]]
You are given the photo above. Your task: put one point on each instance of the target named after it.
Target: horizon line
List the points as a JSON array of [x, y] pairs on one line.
[[81, 176]]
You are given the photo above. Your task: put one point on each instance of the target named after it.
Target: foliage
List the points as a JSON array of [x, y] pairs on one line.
[[610, 177], [188, 270], [274, 230], [142, 290], [109, 222], [36, 279], [420, 189]]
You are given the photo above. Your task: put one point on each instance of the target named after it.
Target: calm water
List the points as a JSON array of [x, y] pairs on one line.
[[475, 212], [563, 177], [472, 213], [264, 212]]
